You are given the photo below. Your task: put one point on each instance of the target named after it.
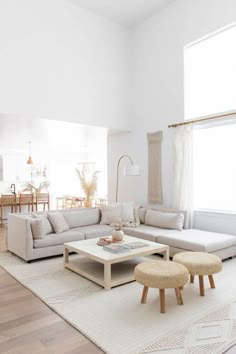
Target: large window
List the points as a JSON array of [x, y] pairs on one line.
[[210, 74], [215, 168]]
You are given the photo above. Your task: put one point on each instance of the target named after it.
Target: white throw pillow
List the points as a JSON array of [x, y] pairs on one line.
[[47, 226], [142, 214], [136, 216], [164, 220], [58, 222], [111, 214], [118, 213], [38, 228], [127, 212]]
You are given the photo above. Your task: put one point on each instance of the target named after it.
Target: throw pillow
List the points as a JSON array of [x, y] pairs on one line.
[[58, 222], [142, 214], [47, 226], [164, 220], [111, 214], [37, 227], [127, 212], [136, 216], [117, 214]]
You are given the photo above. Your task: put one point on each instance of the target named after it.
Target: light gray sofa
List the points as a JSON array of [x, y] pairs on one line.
[[85, 224]]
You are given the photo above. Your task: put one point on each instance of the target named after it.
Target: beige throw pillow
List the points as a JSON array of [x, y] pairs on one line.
[[47, 226], [118, 213], [164, 220], [110, 214], [58, 222], [38, 228]]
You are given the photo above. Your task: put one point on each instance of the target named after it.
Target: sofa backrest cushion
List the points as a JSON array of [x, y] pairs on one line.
[[164, 220], [82, 217]]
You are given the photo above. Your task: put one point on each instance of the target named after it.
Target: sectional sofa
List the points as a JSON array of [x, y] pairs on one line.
[[85, 224]]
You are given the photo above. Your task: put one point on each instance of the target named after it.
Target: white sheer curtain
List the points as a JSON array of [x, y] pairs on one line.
[[183, 172]]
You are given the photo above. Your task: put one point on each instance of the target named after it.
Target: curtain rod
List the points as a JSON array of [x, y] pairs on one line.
[[201, 119]]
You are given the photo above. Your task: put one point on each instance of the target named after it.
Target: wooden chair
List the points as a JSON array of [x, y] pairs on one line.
[[8, 201], [42, 199], [69, 202], [100, 201], [26, 197]]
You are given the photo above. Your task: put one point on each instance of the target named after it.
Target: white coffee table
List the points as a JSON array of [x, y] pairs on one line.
[[106, 268]]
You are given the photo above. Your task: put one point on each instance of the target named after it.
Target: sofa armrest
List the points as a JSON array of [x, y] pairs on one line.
[[19, 236]]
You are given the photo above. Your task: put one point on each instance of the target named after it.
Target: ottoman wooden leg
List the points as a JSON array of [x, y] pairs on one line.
[[191, 278], [162, 300], [179, 296], [211, 280], [201, 285], [144, 295]]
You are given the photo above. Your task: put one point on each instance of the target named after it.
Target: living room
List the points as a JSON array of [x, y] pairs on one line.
[[121, 67]]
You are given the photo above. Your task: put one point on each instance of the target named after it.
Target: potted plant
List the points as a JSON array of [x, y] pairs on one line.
[[89, 185]]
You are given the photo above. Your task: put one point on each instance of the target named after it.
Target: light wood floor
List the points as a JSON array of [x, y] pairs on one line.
[[28, 326]]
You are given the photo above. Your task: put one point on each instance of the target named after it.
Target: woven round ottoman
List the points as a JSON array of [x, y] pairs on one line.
[[201, 264], [161, 275]]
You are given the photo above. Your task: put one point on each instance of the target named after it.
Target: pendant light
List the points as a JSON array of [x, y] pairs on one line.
[[29, 161]]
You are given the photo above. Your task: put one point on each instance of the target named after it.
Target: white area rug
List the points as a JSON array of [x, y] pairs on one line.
[[117, 322]]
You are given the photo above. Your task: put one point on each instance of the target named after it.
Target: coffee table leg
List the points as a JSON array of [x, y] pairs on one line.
[[66, 255], [107, 276], [166, 255]]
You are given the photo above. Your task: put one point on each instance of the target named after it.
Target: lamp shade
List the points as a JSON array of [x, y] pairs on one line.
[[132, 170]]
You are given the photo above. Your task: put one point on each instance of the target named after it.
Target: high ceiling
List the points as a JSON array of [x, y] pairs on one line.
[[125, 12]]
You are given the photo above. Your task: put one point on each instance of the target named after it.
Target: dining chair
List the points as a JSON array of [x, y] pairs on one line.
[[42, 199], [26, 197], [8, 201]]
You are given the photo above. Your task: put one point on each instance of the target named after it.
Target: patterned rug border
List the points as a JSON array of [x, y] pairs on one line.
[[142, 349]]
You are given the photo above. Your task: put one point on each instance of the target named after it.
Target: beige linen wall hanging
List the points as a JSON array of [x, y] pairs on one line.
[[154, 167]]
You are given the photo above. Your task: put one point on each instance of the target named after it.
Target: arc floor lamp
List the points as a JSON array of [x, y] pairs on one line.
[[132, 170]]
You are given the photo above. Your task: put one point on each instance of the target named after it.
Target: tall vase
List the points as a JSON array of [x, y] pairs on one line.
[[88, 203]]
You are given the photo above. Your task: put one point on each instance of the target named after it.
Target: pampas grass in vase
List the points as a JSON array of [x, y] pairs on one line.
[[89, 185]]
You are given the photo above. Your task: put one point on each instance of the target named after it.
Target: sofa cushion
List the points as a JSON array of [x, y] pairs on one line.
[[59, 239], [198, 240], [82, 217], [164, 220], [94, 231], [58, 222], [145, 232]]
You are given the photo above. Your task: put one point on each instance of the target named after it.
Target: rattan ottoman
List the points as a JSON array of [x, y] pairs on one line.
[[201, 264], [161, 275]]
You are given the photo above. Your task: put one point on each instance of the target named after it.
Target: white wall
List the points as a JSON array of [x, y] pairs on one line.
[[60, 61], [158, 85]]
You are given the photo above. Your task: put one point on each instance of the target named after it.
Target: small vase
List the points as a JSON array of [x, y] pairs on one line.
[[117, 235]]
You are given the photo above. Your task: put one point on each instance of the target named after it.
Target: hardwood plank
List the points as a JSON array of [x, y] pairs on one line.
[[27, 325]]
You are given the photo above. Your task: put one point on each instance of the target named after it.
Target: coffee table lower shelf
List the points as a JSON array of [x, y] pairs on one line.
[[105, 275]]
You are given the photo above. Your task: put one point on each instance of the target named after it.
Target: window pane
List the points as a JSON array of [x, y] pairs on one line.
[[215, 168], [210, 75]]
